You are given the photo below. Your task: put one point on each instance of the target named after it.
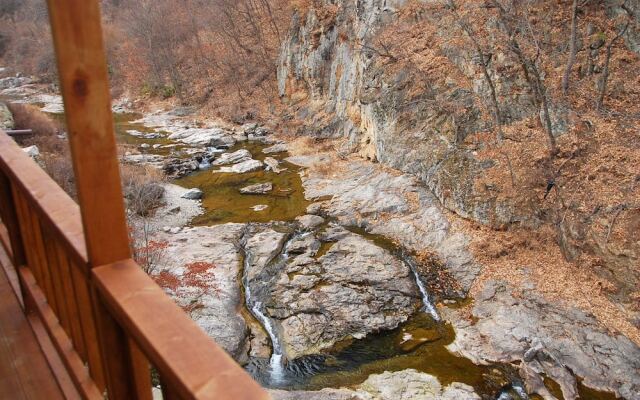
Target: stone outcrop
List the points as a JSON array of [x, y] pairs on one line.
[[402, 385], [250, 165], [206, 265], [548, 339], [354, 289], [394, 205], [258, 188], [343, 71]]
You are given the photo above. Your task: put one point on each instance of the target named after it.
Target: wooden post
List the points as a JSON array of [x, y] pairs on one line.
[[82, 68]]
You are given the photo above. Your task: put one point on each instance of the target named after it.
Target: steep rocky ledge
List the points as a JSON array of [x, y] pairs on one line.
[[398, 82]]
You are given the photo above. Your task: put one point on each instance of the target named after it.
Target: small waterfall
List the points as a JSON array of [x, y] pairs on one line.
[[428, 306], [204, 164], [276, 363], [276, 366]]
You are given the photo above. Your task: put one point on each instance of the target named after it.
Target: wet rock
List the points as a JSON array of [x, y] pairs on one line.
[[260, 207], [14, 82], [143, 135], [216, 137], [149, 159], [243, 167], [394, 205], [402, 385], [303, 244], [6, 118], [315, 209], [233, 158], [258, 188], [309, 222], [206, 265], [175, 167], [193, 194], [276, 148], [412, 339], [356, 286], [333, 233], [273, 165], [557, 341], [324, 394], [411, 384]]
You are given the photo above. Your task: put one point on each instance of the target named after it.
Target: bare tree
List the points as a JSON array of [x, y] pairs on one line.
[[515, 22], [572, 47], [607, 59], [484, 62]]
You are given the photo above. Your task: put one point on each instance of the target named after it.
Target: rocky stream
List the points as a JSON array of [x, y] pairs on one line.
[[311, 273]]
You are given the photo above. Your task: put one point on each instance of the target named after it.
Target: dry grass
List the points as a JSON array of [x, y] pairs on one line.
[[524, 257], [142, 188], [45, 129]]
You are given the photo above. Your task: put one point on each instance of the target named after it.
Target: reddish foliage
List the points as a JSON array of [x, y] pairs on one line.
[[199, 275], [167, 280]]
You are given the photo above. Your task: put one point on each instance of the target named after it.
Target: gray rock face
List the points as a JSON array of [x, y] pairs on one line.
[[193, 194], [548, 339], [6, 118], [402, 385], [215, 137], [411, 384], [258, 188], [276, 148], [354, 289], [178, 167], [363, 193], [308, 222], [212, 294], [273, 165], [233, 158], [32, 151], [243, 167]]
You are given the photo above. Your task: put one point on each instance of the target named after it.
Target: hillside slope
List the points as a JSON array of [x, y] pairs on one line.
[[467, 97]]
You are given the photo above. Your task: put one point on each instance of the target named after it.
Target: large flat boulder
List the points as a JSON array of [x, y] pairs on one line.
[[356, 288]]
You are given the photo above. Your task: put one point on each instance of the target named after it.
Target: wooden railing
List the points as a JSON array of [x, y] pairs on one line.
[[82, 307], [109, 323]]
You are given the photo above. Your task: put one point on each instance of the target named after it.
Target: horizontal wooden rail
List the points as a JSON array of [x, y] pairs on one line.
[[182, 352], [51, 203], [42, 232]]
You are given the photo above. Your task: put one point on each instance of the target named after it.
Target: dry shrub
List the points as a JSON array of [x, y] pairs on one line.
[[45, 129], [142, 188], [60, 169]]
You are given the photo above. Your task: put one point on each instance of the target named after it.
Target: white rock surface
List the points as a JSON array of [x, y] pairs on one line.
[[32, 151], [193, 194], [243, 167], [233, 158]]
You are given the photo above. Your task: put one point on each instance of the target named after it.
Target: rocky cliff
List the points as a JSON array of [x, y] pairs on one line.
[[467, 98]]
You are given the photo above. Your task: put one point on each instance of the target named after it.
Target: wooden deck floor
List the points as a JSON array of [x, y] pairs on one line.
[[24, 371]]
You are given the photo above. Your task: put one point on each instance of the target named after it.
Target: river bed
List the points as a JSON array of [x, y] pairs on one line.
[[420, 343]]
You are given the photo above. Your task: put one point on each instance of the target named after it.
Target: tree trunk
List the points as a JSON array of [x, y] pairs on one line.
[[605, 71], [572, 47]]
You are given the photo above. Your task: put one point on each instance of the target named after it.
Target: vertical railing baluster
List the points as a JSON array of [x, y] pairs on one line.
[[12, 222], [141, 371], [88, 324], [41, 257], [54, 268], [26, 232], [73, 310]]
